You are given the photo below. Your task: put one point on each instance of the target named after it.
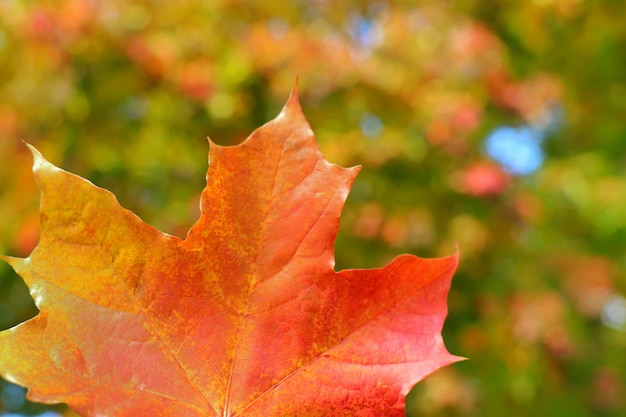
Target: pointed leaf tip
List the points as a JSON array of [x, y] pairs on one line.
[[32, 149], [39, 161], [15, 262], [292, 106], [294, 90]]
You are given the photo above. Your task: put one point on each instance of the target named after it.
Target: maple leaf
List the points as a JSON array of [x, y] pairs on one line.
[[244, 317]]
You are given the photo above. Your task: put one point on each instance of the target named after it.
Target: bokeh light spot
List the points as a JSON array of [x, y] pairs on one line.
[[134, 108], [366, 33], [371, 125], [12, 397], [614, 313], [518, 150], [221, 105], [278, 28]]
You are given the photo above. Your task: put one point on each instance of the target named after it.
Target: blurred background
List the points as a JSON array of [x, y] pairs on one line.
[[498, 125]]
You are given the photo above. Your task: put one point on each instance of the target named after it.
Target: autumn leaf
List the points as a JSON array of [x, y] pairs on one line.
[[244, 317]]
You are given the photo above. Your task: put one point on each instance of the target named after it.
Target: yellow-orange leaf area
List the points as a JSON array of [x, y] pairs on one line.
[[244, 317]]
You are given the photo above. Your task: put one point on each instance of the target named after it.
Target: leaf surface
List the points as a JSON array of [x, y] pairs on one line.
[[244, 317]]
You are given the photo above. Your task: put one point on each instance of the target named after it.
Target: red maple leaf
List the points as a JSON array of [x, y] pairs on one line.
[[244, 317]]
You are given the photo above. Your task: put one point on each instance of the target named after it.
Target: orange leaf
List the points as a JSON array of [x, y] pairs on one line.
[[244, 317]]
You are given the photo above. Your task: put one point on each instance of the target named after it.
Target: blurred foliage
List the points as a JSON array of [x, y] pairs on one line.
[[124, 93]]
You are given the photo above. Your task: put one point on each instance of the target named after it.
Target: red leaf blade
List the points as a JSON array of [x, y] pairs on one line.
[[244, 317]]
